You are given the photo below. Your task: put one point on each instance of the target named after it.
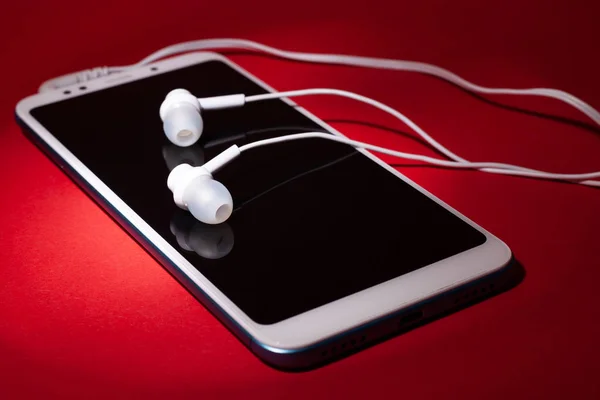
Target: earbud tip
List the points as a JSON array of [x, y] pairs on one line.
[[183, 125], [209, 201]]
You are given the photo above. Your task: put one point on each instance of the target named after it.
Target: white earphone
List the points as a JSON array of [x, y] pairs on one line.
[[181, 114], [194, 188], [210, 202]]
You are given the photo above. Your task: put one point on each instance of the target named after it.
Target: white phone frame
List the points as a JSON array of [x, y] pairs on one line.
[[314, 326]]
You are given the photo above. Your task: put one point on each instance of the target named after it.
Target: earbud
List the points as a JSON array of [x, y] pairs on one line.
[[195, 190], [182, 122], [180, 113]]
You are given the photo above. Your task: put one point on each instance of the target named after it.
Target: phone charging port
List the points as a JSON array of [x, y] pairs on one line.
[[411, 318]]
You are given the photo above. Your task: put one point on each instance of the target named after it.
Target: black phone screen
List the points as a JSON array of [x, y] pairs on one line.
[[314, 221]]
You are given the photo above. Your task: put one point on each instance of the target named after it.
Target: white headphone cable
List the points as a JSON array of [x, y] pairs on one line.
[[368, 62], [459, 162], [339, 59], [507, 169]]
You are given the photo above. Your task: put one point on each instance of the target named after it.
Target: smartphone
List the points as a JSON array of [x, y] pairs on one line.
[[328, 249]]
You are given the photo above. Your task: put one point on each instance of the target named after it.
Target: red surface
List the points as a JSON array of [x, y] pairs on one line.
[[92, 315]]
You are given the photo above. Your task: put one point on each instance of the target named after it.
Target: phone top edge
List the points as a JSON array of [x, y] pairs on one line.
[[25, 105]]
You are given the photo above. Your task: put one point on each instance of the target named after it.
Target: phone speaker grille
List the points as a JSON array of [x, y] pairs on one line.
[[353, 343], [472, 294], [406, 320], [345, 346]]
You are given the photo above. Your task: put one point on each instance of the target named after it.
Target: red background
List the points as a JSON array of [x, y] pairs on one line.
[[92, 315]]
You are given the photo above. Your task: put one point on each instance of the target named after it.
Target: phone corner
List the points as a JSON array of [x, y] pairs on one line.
[[285, 360], [23, 106], [499, 252], [504, 254]]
